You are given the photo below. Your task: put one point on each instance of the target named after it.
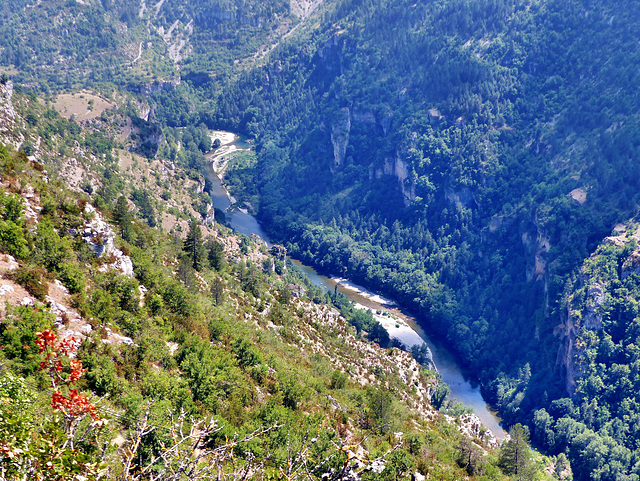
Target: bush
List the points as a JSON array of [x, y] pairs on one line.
[[33, 280], [11, 208], [245, 353], [12, 239], [17, 336], [291, 393], [72, 277], [338, 380]]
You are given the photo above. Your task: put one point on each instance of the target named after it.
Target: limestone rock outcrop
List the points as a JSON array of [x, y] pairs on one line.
[[100, 237]]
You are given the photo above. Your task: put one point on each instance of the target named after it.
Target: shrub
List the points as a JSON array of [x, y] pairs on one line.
[[33, 280], [245, 353], [12, 239], [72, 277], [17, 335], [338, 380]]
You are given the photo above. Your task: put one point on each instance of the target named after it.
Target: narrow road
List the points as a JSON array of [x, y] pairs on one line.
[[139, 55]]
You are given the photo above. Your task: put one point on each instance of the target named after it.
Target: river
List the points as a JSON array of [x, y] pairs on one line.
[[399, 324]]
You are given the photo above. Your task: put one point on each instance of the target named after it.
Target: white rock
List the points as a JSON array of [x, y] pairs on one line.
[[61, 286], [378, 465], [100, 237]]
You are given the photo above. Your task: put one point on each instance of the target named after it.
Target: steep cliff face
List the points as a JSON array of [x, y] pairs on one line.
[[537, 244], [565, 359], [401, 170], [8, 117], [329, 58], [599, 308], [340, 128], [406, 181]]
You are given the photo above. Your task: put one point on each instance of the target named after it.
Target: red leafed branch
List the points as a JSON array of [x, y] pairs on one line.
[[65, 398]]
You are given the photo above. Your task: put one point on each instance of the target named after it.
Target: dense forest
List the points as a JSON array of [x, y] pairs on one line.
[[464, 157]]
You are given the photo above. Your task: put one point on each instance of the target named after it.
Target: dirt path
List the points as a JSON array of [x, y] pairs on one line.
[[139, 54]]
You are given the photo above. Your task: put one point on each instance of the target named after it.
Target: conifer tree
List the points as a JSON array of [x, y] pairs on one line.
[[215, 254], [515, 454], [122, 217], [194, 246]]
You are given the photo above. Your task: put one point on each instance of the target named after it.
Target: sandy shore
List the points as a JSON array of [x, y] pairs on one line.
[[225, 137], [396, 327], [350, 286]]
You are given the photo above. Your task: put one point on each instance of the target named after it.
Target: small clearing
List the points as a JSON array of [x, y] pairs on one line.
[[138, 56], [579, 195], [83, 105], [125, 131]]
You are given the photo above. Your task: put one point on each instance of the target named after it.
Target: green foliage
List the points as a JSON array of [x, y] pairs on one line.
[[194, 246], [348, 221], [439, 395], [12, 208], [468, 128], [176, 297], [245, 353], [338, 380], [380, 409], [12, 235], [361, 319], [144, 201], [97, 32], [123, 290], [469, 457], [33, 280], [50, 249], [17, 336], [515, 454], [123, 218], [12, 239], [180, 362], [72, 277], [215, 254], [291, 392]]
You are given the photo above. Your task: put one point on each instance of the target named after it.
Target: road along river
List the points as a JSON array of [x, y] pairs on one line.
[[398, 323]]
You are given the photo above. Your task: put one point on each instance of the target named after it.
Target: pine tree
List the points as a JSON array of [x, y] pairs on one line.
[[194, 246], [121, 210], [122, 217], [469, 456], [515, 454], [217, 291], [215, 254]]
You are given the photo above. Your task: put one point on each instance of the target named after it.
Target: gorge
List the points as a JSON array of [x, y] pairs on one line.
[[462, 389]]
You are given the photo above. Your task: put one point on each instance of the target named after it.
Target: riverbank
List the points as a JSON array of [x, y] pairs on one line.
[[230, 143], [410, 333], [383, 312]]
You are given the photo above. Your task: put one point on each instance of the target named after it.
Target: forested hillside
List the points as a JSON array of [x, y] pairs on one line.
[[70, 44], [471, 155], [136, 345], [464, 157]]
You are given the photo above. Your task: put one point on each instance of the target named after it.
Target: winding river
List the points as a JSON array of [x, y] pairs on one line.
[[397, 322]]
